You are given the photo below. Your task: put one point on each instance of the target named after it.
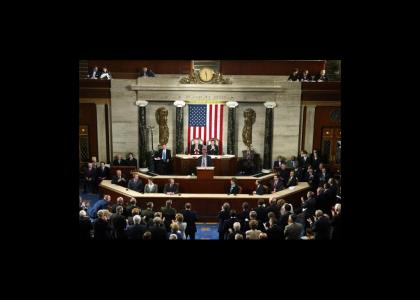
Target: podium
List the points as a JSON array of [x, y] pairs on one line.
[[205, 172]]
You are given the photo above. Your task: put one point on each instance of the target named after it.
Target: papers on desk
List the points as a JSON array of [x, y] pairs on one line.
[[292, 187]]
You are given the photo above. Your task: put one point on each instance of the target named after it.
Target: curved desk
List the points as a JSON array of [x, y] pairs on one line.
[[207, 206]]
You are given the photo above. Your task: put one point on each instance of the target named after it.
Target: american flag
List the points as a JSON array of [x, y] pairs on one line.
[[205, 121]]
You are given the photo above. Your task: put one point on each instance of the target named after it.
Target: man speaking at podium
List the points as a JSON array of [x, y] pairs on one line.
[[204, 160]]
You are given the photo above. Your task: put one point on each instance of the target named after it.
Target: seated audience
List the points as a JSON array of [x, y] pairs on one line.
[[146, 72], [119, 161], [276, 184], [321, 77], [135, 184], [171, 187], [305, 77], [277, 163], [190, 217], [196, 148], [293, 180], [260, 189], [94, 73], [119, 179], [150, 187], [105, 74], [294, 76], [131, 161], [234, 189], [213, 149]]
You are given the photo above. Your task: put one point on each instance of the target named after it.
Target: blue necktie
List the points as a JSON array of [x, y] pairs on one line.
[[164, 155]]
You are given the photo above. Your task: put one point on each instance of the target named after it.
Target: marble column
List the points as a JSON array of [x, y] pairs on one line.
[[142, 135], [268, 137], [231, 149], [179, 127]]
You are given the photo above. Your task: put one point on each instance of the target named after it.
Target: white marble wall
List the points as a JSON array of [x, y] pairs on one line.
[[124, 115], [100, 116], [309, 128]]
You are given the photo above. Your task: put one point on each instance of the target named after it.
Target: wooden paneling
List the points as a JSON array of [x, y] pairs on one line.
[[269, 67], [87, 116], [321, 91], [91, 88], [323, 119]]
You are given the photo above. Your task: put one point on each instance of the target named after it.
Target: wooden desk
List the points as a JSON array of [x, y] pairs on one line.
[[207, 206], [223, 164]]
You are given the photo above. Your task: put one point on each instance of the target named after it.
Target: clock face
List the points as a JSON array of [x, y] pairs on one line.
[[206, 74]]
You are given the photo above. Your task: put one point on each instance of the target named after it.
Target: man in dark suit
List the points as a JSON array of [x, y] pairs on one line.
[[119, 161], [131, 161], [101, 228], [311, 178], [135, 184], [283, 174], [261, 212], [163, 158], [274, 232], [224, 214], [233, 189], [292, 179], [277, 164], [273, 207], [324, 176], [336, 222], [228, 224], [158, 229], [309, 205], [305, 76], [315, 159], [168, 214], [294, 76], [196, 148], [213, 149], [118, 224], [321, 76], [146, 72], [321, 226], [136, 231], [304, 160], [89, 179], [190, 217], [284, 219], [102, 173], [260, 189], [94, 73], [276, 184], [119, 180], [171, 187], [204, 160]]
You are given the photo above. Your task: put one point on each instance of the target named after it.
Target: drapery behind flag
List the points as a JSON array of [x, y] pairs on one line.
[[205, 121]]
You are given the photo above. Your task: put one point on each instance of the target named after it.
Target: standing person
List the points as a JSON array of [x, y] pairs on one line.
[[190, 217]]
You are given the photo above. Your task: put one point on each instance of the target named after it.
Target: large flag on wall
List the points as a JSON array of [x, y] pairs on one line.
[[205, 121]]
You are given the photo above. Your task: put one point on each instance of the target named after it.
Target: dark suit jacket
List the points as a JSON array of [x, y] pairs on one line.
[[121, 183], [277, 164], [169, 214], [168, 155], [321, 228], [284, 175], [292, 181], [209, 161], [97, 74], [275, 209], [242, 216], [136, 231], [315, 162], [90, 173], [293, 77], [275, 233], [213, 152], [336, 225], [132, 162], [118, 224], [118, 163], [102, 173], [307, 77], [102, 230], [310, 205], [85, 225], [260, 190], [279, 186], [261, 214], [233, 190], [319, 77], [229, 224], [283, 220], [200, 148], [158, 232], [323, 177], [190, 217], [135, 186], [148, 73], [167, 188], [304, 163], [223, 216]]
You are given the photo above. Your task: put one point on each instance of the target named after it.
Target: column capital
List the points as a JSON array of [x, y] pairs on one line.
[[232, 104], [270, 104], [141, 103], [179, 103]]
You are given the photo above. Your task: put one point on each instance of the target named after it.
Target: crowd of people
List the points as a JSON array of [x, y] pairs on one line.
[[103, 73], [306, 77], [317, 217]]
